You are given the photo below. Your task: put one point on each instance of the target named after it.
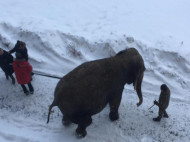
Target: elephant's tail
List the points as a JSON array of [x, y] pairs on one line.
[[50, 107]]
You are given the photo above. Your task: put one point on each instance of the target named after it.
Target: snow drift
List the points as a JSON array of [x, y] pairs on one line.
[[57, 53]]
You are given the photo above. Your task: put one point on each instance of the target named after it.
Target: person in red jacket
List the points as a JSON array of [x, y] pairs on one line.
[[23, 69]]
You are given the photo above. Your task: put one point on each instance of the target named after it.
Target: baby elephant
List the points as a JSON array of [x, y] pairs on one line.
[[88, 88]]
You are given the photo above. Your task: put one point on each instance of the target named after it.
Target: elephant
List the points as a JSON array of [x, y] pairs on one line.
[[88, 88]]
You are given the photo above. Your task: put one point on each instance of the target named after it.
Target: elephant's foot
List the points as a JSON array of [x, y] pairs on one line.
[[83, 122], [80, 133], [66, 121], [114, 116]]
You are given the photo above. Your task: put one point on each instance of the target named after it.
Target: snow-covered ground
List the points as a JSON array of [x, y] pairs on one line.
[[62, 34]]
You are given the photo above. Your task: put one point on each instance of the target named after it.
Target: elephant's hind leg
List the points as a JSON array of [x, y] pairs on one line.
[[66, 121], [114, 103], [83, 122]]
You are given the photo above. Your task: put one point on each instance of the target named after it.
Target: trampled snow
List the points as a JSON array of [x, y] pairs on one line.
[[62, 34]]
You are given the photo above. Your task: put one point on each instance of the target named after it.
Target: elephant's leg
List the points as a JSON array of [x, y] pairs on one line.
[[114, 103], [83, 122], [66, 121]]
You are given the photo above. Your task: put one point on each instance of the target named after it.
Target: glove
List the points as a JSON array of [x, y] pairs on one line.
[[155, 102]]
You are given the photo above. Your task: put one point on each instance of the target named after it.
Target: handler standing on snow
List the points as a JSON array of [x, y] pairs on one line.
[[20, 47], [6, 61], [163, 102], [23, 71]]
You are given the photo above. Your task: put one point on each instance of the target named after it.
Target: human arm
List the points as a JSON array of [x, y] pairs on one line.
[[12, 50], [157, 103], [163, 102], [9, 58]]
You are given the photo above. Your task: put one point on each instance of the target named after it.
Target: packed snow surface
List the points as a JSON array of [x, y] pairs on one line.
[[62, 34]]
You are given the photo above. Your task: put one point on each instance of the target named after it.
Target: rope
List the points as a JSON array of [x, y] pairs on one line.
[[46, 75]]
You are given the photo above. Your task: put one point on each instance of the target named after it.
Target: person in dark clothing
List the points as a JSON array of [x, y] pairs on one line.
[[6, 61], [163, 102], [20, 47], [23, 71]]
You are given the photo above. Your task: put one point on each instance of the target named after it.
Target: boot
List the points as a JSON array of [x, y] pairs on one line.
[[165, 115], [7, 77], [27, 93], [31, 88], [24, 89], [13, 79], [157, 119]]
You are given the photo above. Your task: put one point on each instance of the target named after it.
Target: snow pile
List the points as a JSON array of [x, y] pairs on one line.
[[62, 54]]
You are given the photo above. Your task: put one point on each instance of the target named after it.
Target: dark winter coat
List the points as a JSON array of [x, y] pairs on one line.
[[6, 61], [24, 51], [164, 98], [23, 71]]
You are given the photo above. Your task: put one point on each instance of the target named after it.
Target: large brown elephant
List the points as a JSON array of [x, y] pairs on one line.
[[88, 88]]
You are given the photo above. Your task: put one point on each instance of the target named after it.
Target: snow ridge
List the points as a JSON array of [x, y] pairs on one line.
[[57, 53]]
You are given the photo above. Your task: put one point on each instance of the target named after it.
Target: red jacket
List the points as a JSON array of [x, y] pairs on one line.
[[23, 71]]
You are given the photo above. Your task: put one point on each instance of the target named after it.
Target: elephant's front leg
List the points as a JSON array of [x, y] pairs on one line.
[[114, 103]]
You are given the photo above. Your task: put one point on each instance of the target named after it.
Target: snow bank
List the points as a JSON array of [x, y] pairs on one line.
[[159, 24], [57, 53]]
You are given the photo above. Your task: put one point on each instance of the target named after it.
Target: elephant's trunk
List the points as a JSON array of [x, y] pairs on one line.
[[137, 87]]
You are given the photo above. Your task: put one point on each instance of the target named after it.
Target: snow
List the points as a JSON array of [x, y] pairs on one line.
[[62, 34]]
